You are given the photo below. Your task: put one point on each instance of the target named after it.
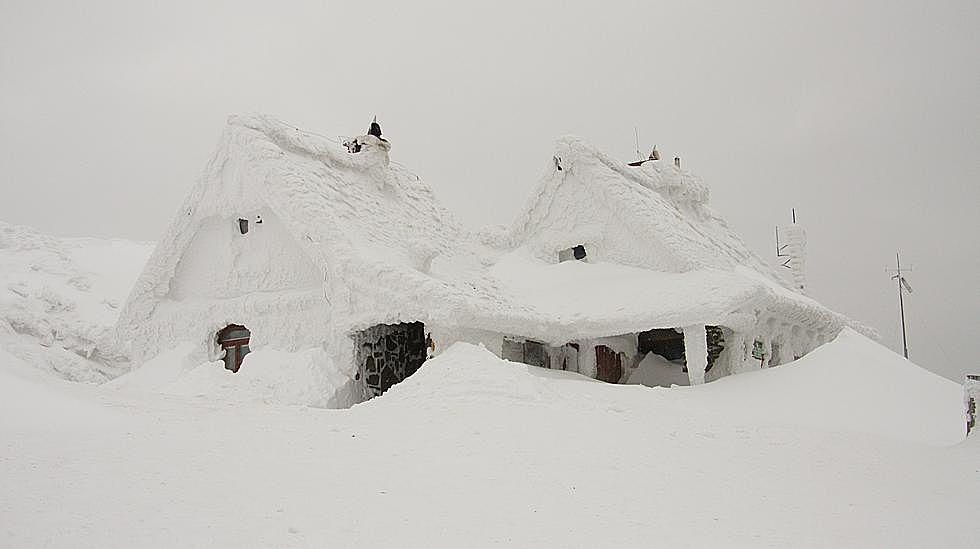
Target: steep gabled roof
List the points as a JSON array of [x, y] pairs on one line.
[[340, 207], [662, 205], [392, 253]]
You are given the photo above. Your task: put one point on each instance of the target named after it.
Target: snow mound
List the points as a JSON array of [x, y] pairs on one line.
[[60, 298], [478, 452], [852, 384], [656, 371], [305, 378]]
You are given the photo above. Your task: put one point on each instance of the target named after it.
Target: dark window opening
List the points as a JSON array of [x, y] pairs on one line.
[[526, 351], [234, 340], [386, 354], [575, 252], [716, 344], [242, 225], [666, 342]]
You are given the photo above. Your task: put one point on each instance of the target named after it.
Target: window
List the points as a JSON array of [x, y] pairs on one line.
[[666, 342], [234, 340], [525, 351], [575, 252]]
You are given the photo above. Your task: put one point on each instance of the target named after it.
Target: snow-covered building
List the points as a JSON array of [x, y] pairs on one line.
[[623, 273]]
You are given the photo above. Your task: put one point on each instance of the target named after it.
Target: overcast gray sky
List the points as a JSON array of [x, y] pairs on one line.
[[865, 116]]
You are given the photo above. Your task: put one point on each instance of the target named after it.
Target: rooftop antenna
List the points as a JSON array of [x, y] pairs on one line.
[[791, 251], [780, 248], [903, 286]]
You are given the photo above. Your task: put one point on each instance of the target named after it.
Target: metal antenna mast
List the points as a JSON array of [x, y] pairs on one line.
[[903, 286]]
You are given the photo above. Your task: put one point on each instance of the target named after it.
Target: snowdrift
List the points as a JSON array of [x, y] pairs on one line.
[[267, 375], [475, 451], [60, 298], [852, 384]]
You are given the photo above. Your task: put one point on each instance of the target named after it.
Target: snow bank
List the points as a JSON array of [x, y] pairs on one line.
[[478, 452], [656, 371], [60, 297], [305, 378], [851, 384]]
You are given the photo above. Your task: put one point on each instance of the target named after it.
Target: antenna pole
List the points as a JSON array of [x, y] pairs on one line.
[[636, 137], [901, 306]]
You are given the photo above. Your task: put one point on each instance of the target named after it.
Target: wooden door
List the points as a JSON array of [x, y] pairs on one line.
[[609, 366]]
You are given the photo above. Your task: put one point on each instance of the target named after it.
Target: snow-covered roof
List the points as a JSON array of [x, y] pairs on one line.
[[662, 206], [340, 207], [380, 238]]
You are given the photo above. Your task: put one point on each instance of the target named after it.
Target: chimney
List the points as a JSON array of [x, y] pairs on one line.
[[677, 162]]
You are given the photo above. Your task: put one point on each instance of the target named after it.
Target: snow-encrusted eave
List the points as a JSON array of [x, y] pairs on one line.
[[803, 309]]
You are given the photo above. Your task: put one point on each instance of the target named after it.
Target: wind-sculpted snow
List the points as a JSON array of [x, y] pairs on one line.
[[59, 300], [671, 226]]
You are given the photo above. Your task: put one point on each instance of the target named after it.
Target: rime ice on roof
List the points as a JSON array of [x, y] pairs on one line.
[[350, 241]]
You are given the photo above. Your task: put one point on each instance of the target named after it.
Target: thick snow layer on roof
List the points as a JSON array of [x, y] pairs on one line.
[[665, 208], [621, 299], [386, 251], [340, 207], [477, 452]]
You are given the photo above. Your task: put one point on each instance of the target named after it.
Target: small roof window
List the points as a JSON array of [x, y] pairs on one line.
[[575, 252]]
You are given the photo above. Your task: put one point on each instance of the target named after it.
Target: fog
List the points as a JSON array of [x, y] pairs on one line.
[[864, 116]]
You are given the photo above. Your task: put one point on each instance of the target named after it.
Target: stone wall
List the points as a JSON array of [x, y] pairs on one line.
[[386, 354]]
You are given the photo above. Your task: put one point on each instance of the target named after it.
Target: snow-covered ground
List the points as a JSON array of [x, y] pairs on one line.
[[849, 447]]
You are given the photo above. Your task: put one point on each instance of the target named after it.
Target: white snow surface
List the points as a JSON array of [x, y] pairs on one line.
[[656, 371], [60, 298], [270, 376], [836, 450]]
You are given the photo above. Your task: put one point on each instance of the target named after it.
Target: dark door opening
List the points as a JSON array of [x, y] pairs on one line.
[[666, 342], [609, 365], [234, 340], [389, 353]]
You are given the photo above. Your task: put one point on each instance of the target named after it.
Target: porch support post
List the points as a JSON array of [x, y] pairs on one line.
[[736, 354], [696, 352]]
